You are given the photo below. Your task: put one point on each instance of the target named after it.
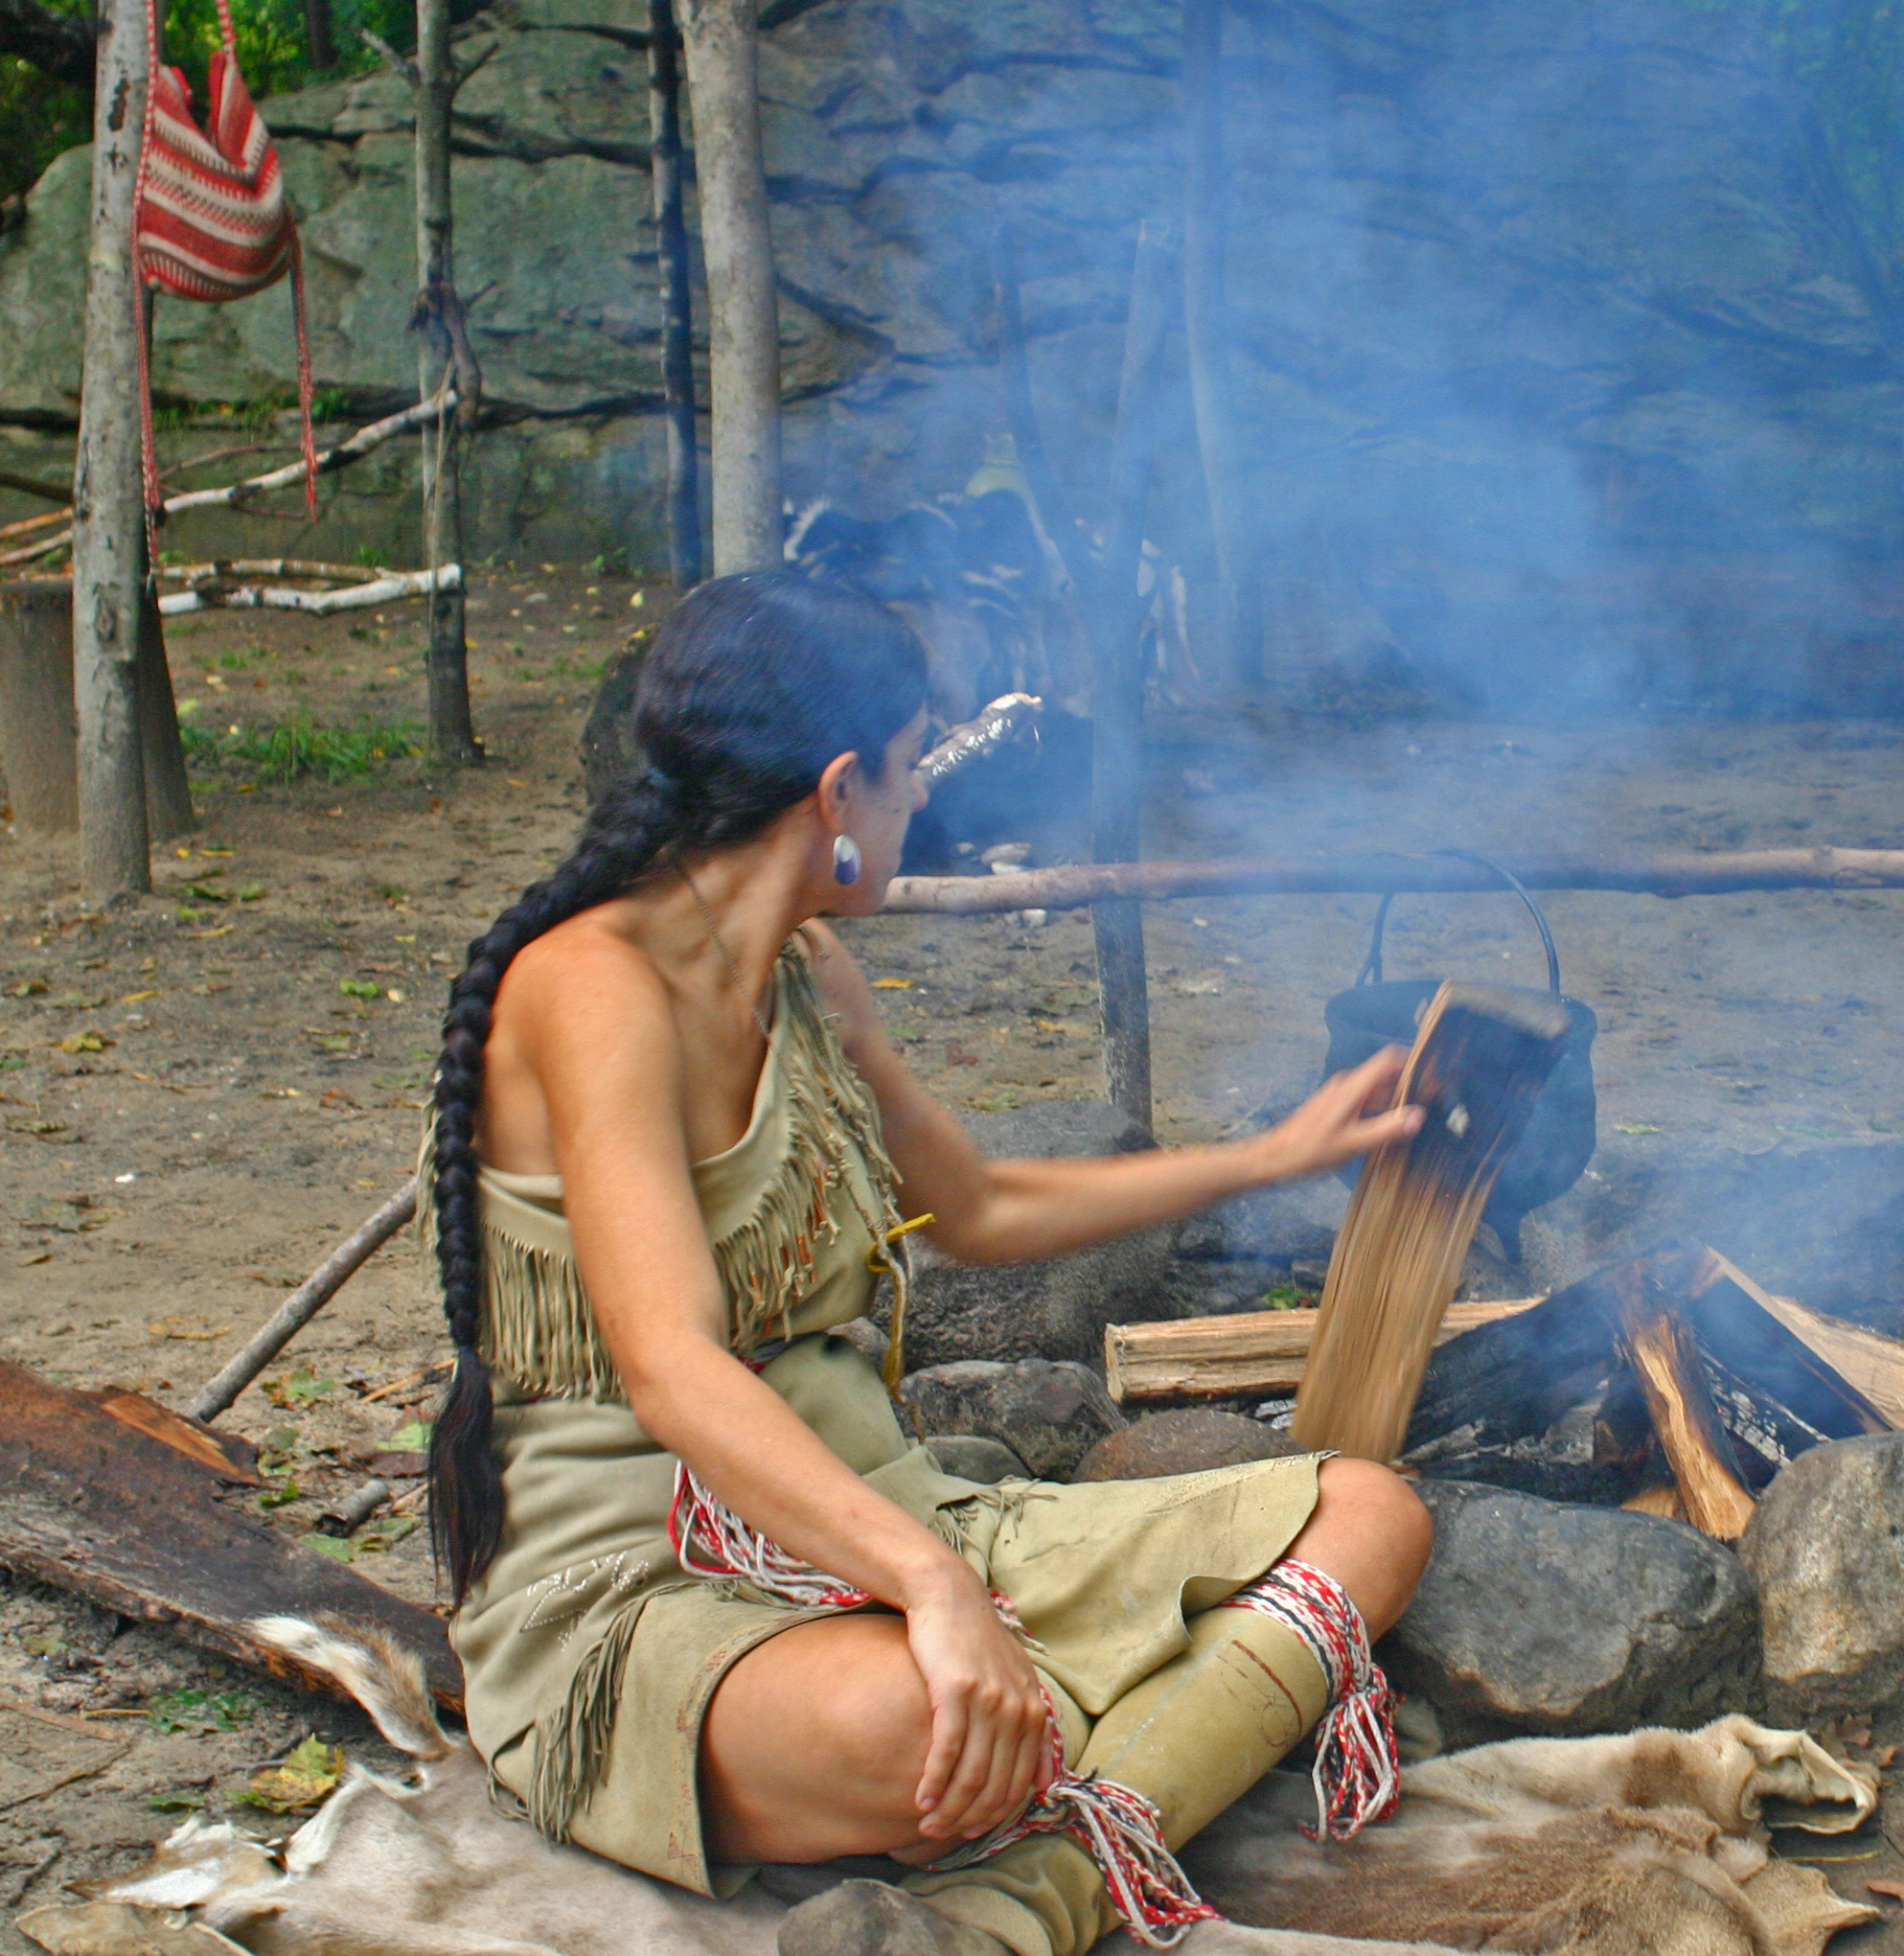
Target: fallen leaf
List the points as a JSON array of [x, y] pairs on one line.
[[413, 1438], [308, 1777], [25, 988], [892, 984], [335, 1096], [85, 1042], [1635, 1127], [1887, 1884], [193, 1329], [139, 998], [298, 1389], [360, 988], [333, 1546], [37, 1256], [250, 892]]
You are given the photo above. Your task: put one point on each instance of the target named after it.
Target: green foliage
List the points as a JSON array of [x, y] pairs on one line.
[[192, 1709], [293, 749], [39, 121]]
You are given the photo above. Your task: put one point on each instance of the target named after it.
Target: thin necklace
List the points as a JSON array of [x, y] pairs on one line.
[[726, 956]]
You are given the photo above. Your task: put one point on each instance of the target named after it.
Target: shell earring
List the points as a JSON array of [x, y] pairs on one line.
[[846, 860]]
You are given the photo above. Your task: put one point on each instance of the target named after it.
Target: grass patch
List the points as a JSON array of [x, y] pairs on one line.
[[293, 749]]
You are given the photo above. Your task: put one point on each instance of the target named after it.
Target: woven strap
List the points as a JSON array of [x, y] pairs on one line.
[[209, 218], [1358, 1774]]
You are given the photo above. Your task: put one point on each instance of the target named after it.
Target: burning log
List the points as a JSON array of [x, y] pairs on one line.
[[1661, 1348], [1479, 1059], [1244, 1352], [1682, 872]]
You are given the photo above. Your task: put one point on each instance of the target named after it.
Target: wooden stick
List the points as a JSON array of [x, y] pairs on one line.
[[352, 449], [408, 584], [1665, 1356], [668, 171], [45, 548], [1685, 872], [1479, 1059], [305, 1302], [39, 522], [30, 485], [1245, 1352], [270, 567]]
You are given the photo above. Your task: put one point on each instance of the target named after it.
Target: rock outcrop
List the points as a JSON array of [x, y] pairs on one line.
[[1511, 372]]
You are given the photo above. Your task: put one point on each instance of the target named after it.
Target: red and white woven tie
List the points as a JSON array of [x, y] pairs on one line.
[[1358, 1774], [209, 217], [1117, 1827]]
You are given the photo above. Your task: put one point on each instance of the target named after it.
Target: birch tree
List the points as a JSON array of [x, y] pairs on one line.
[[109, 498]]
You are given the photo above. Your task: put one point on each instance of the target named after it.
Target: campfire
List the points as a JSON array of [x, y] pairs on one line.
[[1670, 1385]]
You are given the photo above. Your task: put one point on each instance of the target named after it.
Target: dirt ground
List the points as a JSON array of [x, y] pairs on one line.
[[203, 1090]]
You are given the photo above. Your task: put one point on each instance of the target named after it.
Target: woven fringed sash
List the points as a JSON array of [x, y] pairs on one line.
[[1358, 1772], [538, 1328]]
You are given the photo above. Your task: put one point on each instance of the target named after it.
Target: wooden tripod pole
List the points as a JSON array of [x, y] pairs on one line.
[[1117, 710], [671, 241]]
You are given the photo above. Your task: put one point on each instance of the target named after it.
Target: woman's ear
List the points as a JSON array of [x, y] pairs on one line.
[[835, 790]]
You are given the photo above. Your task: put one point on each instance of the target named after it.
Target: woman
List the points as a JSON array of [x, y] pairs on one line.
[[715, 1606]]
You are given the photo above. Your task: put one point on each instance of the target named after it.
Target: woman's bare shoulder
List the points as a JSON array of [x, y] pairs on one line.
[[582, 979]]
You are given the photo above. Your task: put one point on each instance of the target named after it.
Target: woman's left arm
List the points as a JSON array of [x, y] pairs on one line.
[[1001, 1212]]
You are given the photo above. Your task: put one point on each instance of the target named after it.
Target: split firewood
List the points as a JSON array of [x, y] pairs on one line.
[[1663, 1355], [1663, 1500], [1867, 1362], [1244, 1352], [1478, 1063]]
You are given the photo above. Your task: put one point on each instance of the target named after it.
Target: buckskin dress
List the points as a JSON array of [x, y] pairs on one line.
[[590, 1654]]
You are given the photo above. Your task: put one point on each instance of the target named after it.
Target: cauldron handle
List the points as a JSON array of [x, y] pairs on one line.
[[1370, 972]]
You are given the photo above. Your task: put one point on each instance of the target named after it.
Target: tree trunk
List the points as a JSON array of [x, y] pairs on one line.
[[671, 236], [1117, 711], [167, 797], [1206, 333], [37, 731], [320, 43], [442, 344], [737, 247], [108, 513]]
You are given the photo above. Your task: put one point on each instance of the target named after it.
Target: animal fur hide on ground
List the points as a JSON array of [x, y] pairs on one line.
[[1649, 1844]]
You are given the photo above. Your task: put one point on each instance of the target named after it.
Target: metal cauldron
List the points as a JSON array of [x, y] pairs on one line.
[[1562, 1132]]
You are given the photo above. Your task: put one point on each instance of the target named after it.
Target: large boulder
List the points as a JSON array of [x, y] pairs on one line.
[[1826, 1549], [1056, 1309], [1535, 1616], [1188, 1441], [1048, 1413]]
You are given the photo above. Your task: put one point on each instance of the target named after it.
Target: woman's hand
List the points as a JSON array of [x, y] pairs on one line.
[[1347, 1115], [990, 1727]]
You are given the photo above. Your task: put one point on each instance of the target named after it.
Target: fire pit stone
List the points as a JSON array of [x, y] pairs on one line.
[[1056, 1309], [1826, 1549], [1047, 1411], [1542, 1616]]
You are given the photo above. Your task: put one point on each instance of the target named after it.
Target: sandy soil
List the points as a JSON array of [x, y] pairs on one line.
[[201, 1091]]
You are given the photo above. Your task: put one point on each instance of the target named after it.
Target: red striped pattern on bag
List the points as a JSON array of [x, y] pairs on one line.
[[209, 217]]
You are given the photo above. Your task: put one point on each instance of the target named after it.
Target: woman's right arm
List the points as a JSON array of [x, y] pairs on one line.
[[603, 1045]]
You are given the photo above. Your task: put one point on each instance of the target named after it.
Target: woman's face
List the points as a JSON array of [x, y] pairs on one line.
[[875, 808]]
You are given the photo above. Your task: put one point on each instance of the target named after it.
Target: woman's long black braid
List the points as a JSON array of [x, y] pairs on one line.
[[747, 692]]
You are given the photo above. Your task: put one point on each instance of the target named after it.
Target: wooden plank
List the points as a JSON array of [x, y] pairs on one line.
[[1245, 1352], [1665, 1356], [96, 1506]]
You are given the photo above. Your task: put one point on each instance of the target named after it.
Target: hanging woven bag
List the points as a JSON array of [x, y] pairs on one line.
[[209, 217]]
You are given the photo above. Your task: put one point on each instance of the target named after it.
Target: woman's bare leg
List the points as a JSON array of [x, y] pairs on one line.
[[815, 1741], [815, 1744]]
